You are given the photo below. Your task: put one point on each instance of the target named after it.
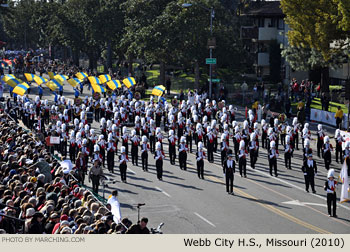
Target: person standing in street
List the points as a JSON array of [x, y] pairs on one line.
[[159, 156], [288, 153], [273, 155], [339, 117], [200, 155], [144, 153], [123, 161], [95, 175], [183, 153], [327, 156], [229, 168], [320, 136], [330, 186], [310, 171], [242, 159]]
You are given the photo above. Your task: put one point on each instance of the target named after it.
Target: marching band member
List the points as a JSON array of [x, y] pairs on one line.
[[210, 144], [72, 146], [180, 125], [183, 153], [330, 186], [288, 153], [277, 131], [320, 136], [305, 133], [245, 133], [295, 142], [159, 136], [229, 170], [101, 143], [152, 135], [338, 145], [144, 153], [159, 156], [273, 155], [188, 133], [111, 149], [327, 156], [85, 150], [97, 155], [310, 171], [135, 141], [123, 161], [199, 133], [306, 149], [236, 141], [253, 149], [125, 139], [172, 147], [242, 159], [200, 155], [215, 135], [224, 148], [64, 138]]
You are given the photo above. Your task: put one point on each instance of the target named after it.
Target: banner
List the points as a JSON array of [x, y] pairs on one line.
[[326, 117], [54, 140], [344, 196]]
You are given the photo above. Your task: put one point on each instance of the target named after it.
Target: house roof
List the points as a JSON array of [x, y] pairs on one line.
[[265, 9]]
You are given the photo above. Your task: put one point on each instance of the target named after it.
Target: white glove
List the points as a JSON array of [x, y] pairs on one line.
[[305, 173], [315, 174]]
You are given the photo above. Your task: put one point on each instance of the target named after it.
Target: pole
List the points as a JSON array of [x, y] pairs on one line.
[[210, 54]]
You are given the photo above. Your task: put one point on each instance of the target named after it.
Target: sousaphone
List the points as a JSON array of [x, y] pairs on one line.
[[174, 102], [137, 96]]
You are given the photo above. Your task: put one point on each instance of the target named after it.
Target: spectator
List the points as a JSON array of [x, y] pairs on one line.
[[339, 117], [140, 228]]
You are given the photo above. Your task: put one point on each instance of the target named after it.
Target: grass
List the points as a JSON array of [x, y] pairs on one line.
[[316, 104]]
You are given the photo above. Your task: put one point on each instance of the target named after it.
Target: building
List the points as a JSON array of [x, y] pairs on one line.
[[264, 24]]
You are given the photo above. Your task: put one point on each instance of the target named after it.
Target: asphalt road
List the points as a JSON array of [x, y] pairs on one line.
[[261, 204]]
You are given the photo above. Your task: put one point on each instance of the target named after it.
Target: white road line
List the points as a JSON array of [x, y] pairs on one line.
[[165, 193], [200, 216], [131, 171]]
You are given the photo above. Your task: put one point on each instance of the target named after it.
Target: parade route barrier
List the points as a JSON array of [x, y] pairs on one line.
[[327, 118]]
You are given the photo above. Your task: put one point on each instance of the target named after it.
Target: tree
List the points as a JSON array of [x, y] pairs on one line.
[[321, 23]]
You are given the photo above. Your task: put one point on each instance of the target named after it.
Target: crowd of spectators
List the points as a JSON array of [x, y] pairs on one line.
[[38, 196]]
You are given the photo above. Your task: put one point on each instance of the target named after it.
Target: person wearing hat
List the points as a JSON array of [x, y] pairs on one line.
[[288, 153], [229, 170], [242, 159], [320, 137], [144, 153], [81, 167], [330, 187], [95, 175], [135, 142], [210, 144], [339, 139], [97, 155], [327, 156], [200, 155], [183, 153], [309, 169], [253, 149], [111, 148], [172, 146], [123, 160], [224, 148], [159, 156], [54, 219], [273, 155], [125, 139]]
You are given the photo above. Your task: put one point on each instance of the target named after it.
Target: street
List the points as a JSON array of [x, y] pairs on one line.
[[260, 204]]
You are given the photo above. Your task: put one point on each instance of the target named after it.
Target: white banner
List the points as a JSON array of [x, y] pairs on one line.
[[346, 136], [316, 115], [328, 118]]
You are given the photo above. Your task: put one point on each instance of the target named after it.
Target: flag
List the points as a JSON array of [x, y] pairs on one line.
[[81, 75], [114, 84], [344, 196], [61, 78], [104, 78], [51, 75], [12, 82], [115, 208], [20, 89], [74, 82], [129, 82], [98, 88], [94, 80], [39, 80], [51, 85], [158, 90], [29, 76]]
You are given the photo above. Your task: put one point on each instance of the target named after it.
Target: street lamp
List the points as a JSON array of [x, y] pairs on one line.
[[212, 13]]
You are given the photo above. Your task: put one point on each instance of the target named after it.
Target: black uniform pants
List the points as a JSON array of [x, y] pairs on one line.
[[223, 156], [319, 148], [242, 166], [125, 144], [72, 153], [288, 160], [273, 164], [263, 139], [144, 157], [338, 153], [110, 161], [95, 182], [332, 200], [172, 154], [183, 160], [309, 181], [200, 168], [134, 155], [210, 152], [253, 158], [152, 141], [103, 154], [229, 180], [327, 159], [122, 168], [189, 142], [159, 166]]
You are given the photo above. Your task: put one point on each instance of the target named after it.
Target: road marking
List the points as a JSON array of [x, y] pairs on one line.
[[162, 191], [298, 203], [275, 210], [200, 216], [131, 171]]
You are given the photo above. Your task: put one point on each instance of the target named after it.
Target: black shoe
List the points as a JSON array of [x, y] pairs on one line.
[[307, 190], [335, 216], [245, 176], [313, 191]]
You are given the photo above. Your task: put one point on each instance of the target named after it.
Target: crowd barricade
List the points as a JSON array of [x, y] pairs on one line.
[[327, 118]]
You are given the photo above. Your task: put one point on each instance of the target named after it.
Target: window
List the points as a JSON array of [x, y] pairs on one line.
[[261, 22], [280, 25]]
